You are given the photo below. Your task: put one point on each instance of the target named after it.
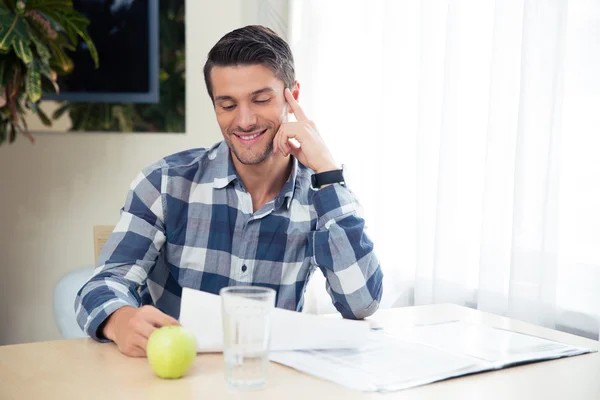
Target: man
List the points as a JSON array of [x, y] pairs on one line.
[[267, 206]]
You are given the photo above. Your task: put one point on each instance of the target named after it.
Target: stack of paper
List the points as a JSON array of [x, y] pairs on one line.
[[423, 354], [349, 353]]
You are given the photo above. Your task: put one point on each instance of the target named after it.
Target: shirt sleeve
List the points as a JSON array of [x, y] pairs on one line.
[[127, 257], [344, 253]]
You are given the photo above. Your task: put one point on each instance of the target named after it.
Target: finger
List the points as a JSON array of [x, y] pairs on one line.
[[134, 349], [296, 109], [284, 145], [137, 351], [145, 329], [276, 143], [283, 142], [141, 342], [160, 319], [280, 141]]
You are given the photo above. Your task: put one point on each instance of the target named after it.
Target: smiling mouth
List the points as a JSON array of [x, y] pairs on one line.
[[251, 136]]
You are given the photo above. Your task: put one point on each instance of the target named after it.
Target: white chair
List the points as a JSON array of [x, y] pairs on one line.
[[65, 292], [69, 284]]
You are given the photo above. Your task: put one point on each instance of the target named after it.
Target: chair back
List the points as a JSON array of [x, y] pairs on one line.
[[101, 235], [69, 284]]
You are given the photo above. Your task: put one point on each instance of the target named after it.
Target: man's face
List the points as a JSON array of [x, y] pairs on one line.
[[250, 106]]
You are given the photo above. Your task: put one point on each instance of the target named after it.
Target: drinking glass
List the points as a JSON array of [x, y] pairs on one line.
[[246, 312]]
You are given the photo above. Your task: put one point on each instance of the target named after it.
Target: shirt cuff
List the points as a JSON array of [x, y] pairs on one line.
[[332, 202], [102, 315]]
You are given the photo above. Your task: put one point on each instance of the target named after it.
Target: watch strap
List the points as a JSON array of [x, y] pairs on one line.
[[327, 177]]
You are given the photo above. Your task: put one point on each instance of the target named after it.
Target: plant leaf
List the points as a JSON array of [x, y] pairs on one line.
[[14, 28], [61, 110], [22, 50], [7, 35], [49, 86], [44, 68], [12, 132], [10, 4], [4, 67], [43, 117], [41, 48], [33, 83], [4, 10], [125, 123], [3, 129], [66, 5], [62, 63], [74, 24], [79, 25]]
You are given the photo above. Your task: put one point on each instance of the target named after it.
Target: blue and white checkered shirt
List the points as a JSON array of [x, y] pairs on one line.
[[189, 222]]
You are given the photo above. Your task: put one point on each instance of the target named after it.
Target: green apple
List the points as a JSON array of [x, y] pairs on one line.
[[171, 351]]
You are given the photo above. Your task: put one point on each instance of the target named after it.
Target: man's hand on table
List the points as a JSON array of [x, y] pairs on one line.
[[131, 327]]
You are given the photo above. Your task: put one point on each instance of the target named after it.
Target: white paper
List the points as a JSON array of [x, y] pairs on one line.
[[385, 363], [290, 330], [424, 354], [484, 342]]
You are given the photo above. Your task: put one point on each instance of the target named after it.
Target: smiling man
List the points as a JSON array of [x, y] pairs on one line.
[[266, 207]]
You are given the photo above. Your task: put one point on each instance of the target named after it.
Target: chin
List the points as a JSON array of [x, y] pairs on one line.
[[249, 157]]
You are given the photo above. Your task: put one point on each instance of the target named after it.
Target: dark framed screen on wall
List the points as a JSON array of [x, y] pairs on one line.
[[126, 34], [140, 84]]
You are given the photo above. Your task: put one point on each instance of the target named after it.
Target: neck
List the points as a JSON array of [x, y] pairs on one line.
[[264, 181]]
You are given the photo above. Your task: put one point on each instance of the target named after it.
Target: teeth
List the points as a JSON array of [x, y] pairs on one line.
[[251, 136]]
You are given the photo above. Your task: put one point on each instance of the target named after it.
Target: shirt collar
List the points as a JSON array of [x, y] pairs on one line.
[[225, 173], [290, 185], [224, 169]]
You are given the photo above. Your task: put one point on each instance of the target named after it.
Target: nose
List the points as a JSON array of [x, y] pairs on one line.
[[245, 118]]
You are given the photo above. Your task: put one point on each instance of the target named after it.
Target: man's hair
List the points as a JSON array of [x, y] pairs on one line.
[[252, 45]]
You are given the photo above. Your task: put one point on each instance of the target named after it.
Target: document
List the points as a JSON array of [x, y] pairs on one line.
[[290, 330], [424, 354]]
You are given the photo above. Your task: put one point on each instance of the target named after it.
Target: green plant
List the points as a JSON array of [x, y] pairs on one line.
[[168, 115], [34, 37]]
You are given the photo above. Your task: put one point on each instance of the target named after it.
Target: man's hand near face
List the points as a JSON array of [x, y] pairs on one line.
[[131, 327], [312, 150]]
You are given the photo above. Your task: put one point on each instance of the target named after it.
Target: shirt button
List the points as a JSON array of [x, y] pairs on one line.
[[244, 268]]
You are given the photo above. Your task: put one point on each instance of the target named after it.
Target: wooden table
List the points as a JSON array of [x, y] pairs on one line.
[[84, 369]]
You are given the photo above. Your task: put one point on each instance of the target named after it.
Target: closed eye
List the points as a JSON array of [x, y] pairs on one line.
[[228, 108], [262, 101]]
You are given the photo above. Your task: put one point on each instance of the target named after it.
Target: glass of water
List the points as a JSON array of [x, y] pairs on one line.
[[246, 314]]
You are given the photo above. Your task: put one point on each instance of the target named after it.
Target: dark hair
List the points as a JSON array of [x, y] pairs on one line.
[[252, 45]]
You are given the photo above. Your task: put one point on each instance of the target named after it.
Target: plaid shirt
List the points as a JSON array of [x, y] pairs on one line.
[[189, 222]]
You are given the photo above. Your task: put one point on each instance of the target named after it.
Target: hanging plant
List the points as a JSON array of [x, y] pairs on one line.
[[34, 37], [168, 115]]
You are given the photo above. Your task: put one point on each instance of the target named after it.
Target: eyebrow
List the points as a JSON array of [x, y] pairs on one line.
[[263, 90]]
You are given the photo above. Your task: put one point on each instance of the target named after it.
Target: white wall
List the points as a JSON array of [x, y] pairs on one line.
[[53, 193]]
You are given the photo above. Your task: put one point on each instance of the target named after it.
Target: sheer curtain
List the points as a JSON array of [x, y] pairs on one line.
[[470, 133]]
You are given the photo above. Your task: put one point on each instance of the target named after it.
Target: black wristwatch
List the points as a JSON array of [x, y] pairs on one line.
[[327, 177]]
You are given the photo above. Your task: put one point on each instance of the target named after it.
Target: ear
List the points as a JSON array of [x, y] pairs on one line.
[[296, 93]]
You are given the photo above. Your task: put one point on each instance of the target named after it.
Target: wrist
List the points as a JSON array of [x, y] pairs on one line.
[[327, 167], [109, 326]]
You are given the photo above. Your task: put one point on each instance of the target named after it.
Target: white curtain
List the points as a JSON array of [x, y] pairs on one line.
[[470, 132]]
